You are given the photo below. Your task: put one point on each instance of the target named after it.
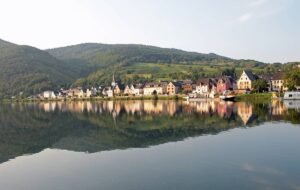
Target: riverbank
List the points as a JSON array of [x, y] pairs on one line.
[[124, 98], [254, 97]]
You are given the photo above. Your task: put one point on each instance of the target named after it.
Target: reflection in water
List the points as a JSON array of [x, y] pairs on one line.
[[98, 126], [245, 110]]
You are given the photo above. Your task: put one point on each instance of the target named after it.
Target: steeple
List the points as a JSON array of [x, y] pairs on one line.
[[113, 83]]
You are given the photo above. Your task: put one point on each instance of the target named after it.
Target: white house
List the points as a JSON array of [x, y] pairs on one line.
[[206, 88], [137, 89], [49, 94], [110, 92], [155, 88], [245, 81]]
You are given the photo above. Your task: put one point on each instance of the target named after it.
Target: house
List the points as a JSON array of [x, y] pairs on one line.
[[246, 80], [224, 83], [187, 86], [277, 82], [152, 88], [94, 91], [117, 89], [137, 89], [74, 93], [206, 88], [49, 94], [108, 91], [127, 90], [173, 87]]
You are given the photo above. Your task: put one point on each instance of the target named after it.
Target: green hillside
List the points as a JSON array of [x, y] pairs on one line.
[[30, 70], [144, 63]]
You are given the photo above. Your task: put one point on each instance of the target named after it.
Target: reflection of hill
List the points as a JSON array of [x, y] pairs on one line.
[[28, 129]]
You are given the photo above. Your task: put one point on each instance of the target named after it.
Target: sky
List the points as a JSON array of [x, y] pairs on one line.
[[264, 30]]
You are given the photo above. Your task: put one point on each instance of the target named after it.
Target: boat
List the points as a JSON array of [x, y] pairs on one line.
[[291, 95], [227, 96], [292, 104]]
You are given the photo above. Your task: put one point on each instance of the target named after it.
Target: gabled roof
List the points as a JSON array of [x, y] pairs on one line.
[[178, 83], [138, 86], [153, 84], [278, 76], [207, 81], [225, 78], [250, 75]]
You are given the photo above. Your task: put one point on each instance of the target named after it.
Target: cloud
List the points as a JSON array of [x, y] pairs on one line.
[[245, 17], [257, 3]]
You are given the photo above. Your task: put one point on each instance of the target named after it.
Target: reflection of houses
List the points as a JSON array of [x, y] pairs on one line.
[[202, 107], [277, 108], [132, 107], [153, 107], [225, 109], [246, 80], [245, 111]]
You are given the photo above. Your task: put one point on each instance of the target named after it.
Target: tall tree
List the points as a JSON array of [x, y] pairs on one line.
[[292, 79]]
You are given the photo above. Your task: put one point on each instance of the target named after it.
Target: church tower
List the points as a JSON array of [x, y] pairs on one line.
[[113, 83]]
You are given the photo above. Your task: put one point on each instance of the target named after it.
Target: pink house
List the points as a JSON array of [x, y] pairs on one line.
[[224, 83]]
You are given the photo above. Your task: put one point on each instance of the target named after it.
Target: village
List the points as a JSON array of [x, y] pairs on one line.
[[202, 88]]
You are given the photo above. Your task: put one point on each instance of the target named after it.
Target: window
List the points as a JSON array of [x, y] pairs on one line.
[[290, 95]]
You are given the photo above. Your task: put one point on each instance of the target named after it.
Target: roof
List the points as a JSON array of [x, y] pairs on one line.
[[206, 81], [250, 75], [225, 78], [185, 82], [178, 83], [266, 77], [278, 76], [153, 84], [138, 86]]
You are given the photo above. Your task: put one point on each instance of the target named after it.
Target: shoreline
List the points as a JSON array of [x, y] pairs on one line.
[[122, 98], [238, 98]]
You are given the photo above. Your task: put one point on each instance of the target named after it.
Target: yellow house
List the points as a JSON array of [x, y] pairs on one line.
[[172, 88], [246, 80], [277, 82]]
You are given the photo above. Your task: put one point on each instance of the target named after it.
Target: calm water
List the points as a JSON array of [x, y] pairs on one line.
[[150, 145]]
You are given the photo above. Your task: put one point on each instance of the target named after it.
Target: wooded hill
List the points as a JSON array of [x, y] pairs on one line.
[[28, 70]]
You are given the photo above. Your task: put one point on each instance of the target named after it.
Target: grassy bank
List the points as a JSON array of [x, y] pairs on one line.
[[254, 97]]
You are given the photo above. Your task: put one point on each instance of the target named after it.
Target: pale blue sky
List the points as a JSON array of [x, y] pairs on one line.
[[265, 30]]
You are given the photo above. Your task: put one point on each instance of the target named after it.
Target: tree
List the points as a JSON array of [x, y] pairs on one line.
[[292, 79], [260, 85]]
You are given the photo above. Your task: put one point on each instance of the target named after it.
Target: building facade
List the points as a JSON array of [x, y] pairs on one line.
[[277, 82], [245, 81]]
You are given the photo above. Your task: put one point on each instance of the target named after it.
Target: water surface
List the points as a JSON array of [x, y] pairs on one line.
[[150, 145]]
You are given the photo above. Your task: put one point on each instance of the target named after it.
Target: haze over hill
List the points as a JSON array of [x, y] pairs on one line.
[[30, 70]]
